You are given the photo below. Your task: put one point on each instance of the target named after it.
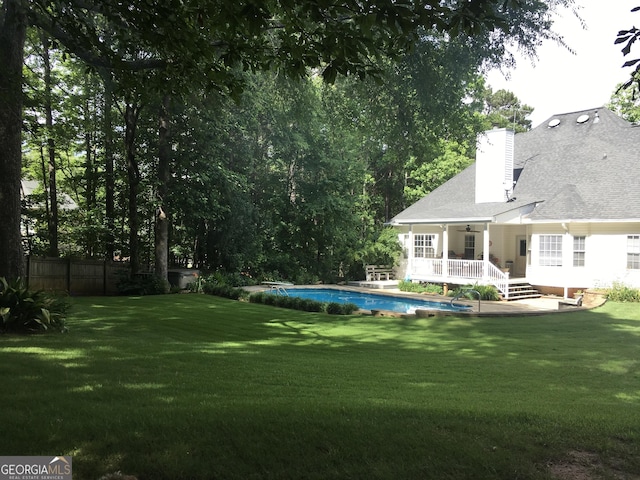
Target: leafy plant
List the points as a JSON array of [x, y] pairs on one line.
[[620, 292], [334, 308], [225, 278], [304, 304], [383, 251], [222, 290], [407, 286], [142, 285], [28, 311], [487, 292]]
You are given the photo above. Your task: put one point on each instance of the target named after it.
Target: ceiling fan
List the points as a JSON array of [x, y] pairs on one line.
[[467, 229]]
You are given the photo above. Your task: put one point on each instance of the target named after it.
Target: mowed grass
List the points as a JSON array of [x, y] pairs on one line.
[[198, 387]]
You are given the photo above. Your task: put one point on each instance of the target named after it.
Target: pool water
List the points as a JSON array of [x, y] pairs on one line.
[[372, 301]]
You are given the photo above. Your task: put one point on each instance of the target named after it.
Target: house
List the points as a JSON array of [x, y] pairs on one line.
[[552, 210]]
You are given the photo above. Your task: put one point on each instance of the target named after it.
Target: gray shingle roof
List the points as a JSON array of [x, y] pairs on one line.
[[573, 171]]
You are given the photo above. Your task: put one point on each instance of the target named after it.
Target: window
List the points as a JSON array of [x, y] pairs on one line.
[[578, 251], [424, 245], [469, 247], [633, 252], [550, 250]]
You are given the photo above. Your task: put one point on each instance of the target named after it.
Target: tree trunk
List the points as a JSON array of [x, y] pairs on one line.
[[12, 38], [131, 122], [52, 218], [164, 174], [110, 211], [89, 178]]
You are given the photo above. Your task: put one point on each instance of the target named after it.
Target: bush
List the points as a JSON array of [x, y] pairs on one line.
[[27, 311], [334, 308], [304, 304], [224, 291], [142, 284], [407, 286], [622, 293], [487, 292], [224, 278]]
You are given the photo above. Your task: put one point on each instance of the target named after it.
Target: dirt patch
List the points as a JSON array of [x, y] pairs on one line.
[[580, 465]]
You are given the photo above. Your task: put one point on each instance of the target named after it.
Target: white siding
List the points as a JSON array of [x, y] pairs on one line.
[[494, 165], [605, 256]]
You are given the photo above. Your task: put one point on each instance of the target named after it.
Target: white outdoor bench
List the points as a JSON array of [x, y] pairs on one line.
[[379, 272]]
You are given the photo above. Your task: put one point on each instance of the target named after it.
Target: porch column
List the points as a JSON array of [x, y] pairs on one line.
[[486, 258], [445, 250], [409, 272]]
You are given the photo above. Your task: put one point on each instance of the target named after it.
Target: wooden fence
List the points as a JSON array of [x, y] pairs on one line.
[[76, 277]]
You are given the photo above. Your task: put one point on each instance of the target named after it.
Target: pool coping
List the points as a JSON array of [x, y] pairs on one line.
[[501, 308]]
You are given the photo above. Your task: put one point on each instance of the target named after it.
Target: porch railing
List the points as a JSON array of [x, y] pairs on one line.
[[455, 270]]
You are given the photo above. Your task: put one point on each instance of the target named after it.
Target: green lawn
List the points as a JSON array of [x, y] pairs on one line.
[[197, 387]]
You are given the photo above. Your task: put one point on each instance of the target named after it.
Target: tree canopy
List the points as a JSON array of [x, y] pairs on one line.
[[627, 38], [178, 47]]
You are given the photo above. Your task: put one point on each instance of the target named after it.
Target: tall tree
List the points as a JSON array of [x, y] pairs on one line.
[[196, 39], [161, 244], [52, 217], [504, 110], [13, 30]]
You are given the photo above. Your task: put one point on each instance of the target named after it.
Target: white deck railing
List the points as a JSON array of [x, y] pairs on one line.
[[459, 271]]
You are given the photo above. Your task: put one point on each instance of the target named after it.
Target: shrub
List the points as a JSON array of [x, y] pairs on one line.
[[304, 304], [28, 311], [487, 292], [622, 293], [257, 297], [142, 284], [407, 286], [225, 278], [224, 291], [334, 308]]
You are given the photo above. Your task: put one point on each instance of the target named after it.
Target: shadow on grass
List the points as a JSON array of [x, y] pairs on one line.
[[195, 387]]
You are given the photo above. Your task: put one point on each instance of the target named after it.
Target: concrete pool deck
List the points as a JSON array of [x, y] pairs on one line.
[[531, 306]]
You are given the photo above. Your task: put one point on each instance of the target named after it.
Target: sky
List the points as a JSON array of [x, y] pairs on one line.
[[562, 82]]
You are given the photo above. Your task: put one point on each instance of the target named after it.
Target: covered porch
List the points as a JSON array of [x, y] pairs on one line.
[[461, 253]]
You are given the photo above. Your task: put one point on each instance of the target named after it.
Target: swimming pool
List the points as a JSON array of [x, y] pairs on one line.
[[373, 301]]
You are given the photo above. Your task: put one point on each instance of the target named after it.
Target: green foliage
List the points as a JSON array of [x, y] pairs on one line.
[[424, 177], [27, 311], [407, 286], [304, 304], [142, 284], [628, 38], [334, 308], [504, 110], [487, 292], [232, 279], [626, 103], [294, 177], [384, 250], [223, 290], [622, 293]]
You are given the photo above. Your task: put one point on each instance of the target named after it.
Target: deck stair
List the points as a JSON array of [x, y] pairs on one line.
[[521, 290]]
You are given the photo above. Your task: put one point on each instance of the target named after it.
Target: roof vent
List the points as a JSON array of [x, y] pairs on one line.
[[554, 123], [583, 118]]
